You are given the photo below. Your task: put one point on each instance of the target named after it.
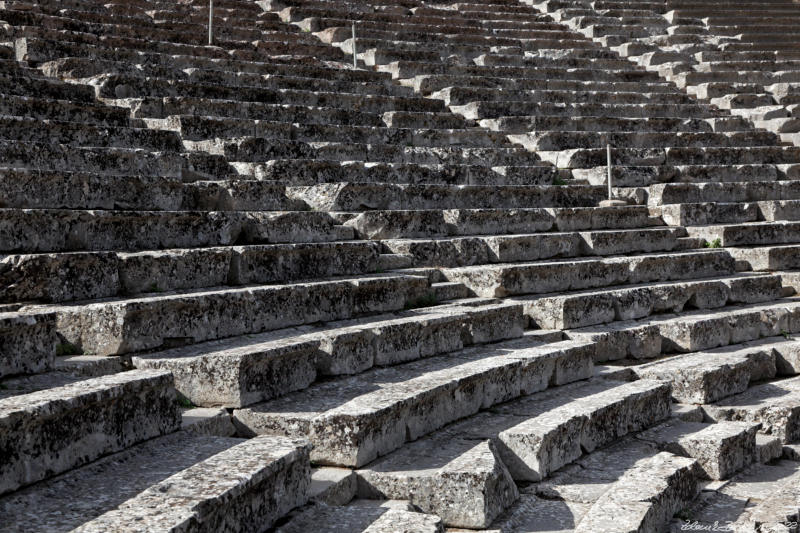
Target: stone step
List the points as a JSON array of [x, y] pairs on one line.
[[750, 233], [74, 230], [524, 124], [760, 496], [672, 156], [644, 176], [459, 96], [754, 191], [63, 110], [354, 420], [31, 130], [471, 170], [241, 371], [441, 223], [721, 449], [708, 376], [363, 516], [387, 196], [691, 331], [29, 341], [550, 276], [528, 438], [760, 258], [169, 482], [196, 128], [483, 110], [773, 404], [94, 275], [581, 140], [125, 325], [33, 189], [52, 431], [568, 80], [259, 149], [629, 486], [475, 250], [587, 308], [111, 160]]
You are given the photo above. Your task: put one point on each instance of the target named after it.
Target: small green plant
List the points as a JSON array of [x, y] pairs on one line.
[[154, 288], [66, 348], [785, 334], [423, 301], [185, 402], [716, 243], [559, 182]]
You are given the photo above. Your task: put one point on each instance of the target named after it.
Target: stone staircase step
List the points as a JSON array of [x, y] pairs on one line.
[[52, 431], [353, 421], [750, 233], [708, 376], [773, 404], [387, 196], [243, 370], [761, 495], [628, 486], [465, 251], [433, 223], [761, 258], [586, 308], [721, 449], [363, 516], [526, 438], [29, 341], [549, 276], [169, 482], [106, 274], [690, 331], [75, 230], [688, 193], [124, 325]]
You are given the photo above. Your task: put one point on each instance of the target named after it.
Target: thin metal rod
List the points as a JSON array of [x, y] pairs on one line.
[[355, 57], [210, 22], [608, 157]]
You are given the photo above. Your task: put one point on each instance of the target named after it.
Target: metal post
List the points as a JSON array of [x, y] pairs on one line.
[[355, 58], [210, 22], [608, 157]]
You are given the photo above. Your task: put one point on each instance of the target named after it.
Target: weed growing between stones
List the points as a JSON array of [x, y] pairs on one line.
[[185, 402], [716, 243]]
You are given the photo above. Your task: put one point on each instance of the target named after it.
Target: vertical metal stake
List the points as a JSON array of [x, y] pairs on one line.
[[210, 22], [608, 157], [355, 58]]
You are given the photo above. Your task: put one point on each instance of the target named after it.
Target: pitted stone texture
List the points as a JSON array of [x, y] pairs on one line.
[[705, 377], [27, 342], [54, 430], [332, 486], [71, 499], [127, 325], [468, 488], [721, 449], [775, 405], [243, 370], [352, 421], [363, 517], [243, 488]]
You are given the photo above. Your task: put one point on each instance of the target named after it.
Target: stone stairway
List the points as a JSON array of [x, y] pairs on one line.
[[738, 56], [249, 287]]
